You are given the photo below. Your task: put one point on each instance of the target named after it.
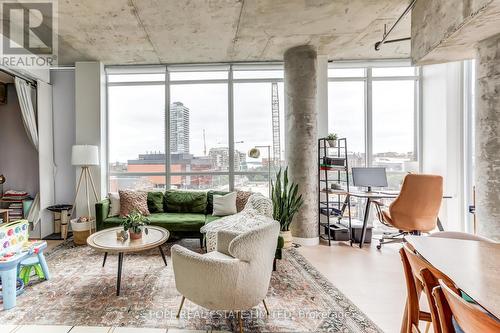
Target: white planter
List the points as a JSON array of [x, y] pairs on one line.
[[81, 226], [287, 238], [81, 230], [332, 143]]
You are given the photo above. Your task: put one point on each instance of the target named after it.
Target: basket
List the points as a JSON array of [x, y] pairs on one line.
[[81, 231]]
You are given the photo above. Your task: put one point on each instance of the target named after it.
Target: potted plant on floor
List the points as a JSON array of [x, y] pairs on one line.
[[332, 139], [286, 202], [135, 222]]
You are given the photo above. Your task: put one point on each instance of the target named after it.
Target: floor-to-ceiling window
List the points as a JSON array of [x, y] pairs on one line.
[[376, 109], [136, 130], [192, 127], [394, 115]]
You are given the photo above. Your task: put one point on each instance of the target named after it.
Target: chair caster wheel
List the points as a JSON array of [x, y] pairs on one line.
[[379, 247]]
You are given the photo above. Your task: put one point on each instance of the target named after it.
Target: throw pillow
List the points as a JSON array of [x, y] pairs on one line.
[[241, 199], [210, 200], [155, 202], [114, 204], [133, 201], [224, 204], [178, 201]]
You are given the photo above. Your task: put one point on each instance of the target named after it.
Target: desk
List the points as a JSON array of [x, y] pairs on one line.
[[370, 197], [473, 266]]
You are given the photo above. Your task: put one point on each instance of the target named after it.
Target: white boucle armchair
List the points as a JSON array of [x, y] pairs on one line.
[[234, 277]]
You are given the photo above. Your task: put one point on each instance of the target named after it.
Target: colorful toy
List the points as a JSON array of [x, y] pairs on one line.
[[15, 248]]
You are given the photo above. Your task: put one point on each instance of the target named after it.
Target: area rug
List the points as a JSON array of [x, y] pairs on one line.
[[82, 292]]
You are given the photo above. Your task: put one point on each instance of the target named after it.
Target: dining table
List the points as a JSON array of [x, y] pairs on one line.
[[474, 266]]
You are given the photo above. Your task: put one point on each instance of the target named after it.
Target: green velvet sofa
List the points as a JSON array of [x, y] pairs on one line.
[[182, 213]]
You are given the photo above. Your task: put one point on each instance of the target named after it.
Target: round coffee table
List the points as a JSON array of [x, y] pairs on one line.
[[106, 241]]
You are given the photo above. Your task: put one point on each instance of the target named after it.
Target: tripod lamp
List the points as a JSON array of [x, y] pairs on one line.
[[85, 156]]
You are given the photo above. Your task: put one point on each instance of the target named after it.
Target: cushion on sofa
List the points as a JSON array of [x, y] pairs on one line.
[[210, 200], [178, 219], [133, 201], [224, 204], [211, 218], [155, 202], [114, 203], [176, 201], [170, 221], [242, 199]]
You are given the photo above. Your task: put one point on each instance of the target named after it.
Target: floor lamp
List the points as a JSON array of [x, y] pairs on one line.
[[255, 153], [85, 156]]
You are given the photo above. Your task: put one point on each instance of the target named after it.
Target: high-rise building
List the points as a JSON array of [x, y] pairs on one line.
[[179, 128], [220, 159]]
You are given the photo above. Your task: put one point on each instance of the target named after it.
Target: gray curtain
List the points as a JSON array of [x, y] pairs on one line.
[[24, 94]]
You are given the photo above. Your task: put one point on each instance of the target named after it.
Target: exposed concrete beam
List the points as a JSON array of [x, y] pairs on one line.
[[444, 31], [135, 11]]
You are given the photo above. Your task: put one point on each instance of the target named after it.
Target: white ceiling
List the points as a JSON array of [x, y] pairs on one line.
[[194, 31]]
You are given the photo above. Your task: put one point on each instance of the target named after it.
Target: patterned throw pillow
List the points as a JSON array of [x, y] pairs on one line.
[[241, 199], [133, 200]]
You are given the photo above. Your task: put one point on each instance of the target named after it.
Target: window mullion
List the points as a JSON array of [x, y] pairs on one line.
[[167, 129], [231, 127], [369, 117]]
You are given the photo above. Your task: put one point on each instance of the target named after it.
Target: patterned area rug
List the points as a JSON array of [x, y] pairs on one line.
[[81, 292]]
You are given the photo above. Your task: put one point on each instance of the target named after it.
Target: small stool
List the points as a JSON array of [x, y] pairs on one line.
[[37, 262], [27, 266]]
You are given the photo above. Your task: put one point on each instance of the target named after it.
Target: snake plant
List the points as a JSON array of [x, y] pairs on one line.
[[286, 199]]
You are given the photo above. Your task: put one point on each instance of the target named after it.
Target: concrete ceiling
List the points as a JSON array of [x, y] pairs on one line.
[[194, 31]]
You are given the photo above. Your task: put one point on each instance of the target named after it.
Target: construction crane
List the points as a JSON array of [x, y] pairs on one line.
[[275, 103]]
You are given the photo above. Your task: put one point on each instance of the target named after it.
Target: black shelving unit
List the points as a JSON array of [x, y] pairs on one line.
[[333, 168]]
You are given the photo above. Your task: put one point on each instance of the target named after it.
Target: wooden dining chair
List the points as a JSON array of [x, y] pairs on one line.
[[413, 265], [471, 318]]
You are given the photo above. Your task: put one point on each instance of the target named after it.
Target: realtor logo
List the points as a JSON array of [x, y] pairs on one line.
[[28, 29]]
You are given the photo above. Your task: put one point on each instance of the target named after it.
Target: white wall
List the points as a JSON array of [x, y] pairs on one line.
[[322, 95], [90, 124], [63, 83], [442, 136]]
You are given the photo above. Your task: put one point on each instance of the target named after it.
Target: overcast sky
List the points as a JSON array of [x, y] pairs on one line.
[[136, 116]]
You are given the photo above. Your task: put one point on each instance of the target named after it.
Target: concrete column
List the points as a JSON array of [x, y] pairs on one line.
[[487, 170], [301, 137]]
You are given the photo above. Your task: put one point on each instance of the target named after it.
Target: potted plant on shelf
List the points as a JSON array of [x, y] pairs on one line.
[[286, 202], [135, 222], [332, 139]]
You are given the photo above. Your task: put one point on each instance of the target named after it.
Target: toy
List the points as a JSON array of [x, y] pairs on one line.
[[15, 247]]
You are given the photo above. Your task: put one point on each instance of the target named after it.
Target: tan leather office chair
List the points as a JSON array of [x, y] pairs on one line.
[[416, 208]]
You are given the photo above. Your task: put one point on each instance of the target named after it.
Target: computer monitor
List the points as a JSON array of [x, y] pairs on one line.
[[368, 177]]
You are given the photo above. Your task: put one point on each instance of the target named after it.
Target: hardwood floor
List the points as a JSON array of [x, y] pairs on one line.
[[371, 279]]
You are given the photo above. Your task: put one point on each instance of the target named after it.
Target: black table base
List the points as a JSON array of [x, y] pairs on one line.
[[120, 266]]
